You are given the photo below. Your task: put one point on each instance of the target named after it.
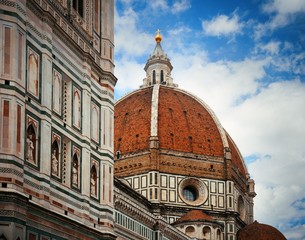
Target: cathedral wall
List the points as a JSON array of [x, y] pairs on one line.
[[223, 201], [56, 123], [165, 188]]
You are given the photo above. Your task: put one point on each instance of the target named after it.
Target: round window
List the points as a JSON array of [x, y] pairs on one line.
[[193, 191], [190, 193]]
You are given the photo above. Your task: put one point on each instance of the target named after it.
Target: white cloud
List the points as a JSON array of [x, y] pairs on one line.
[[158, 5], [128, 35], [282, 13], [161, 6], [129, 74], [223, 25], [285, 57], [222, 84], [278, 185], [177, 31], [272, 47], [284, 6], [295, 233], [273, 118], [180, 6]]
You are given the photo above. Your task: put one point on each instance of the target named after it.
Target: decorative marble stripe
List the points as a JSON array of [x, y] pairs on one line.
[[12, 171], [154, 111]]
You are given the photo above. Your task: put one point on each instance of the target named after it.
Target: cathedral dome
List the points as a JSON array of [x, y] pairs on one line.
[[160, 127], [177, 122], [183, 123], [259, 231]]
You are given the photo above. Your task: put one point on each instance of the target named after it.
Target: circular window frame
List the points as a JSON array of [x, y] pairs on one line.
[[199, 186]]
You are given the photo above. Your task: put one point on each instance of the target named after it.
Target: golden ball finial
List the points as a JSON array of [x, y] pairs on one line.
[[158, 36]]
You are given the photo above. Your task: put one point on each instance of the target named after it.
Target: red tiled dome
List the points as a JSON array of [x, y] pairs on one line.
[[259, 231], [184, 124], [132, 122], [194, 215]]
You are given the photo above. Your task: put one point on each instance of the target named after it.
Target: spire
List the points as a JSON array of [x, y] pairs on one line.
[[158, 67], [158, 51]]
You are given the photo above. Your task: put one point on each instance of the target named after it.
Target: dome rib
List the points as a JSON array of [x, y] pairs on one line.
[[237, 158], [154, 111]]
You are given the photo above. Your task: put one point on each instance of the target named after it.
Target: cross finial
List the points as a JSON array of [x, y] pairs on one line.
[[158, 36]]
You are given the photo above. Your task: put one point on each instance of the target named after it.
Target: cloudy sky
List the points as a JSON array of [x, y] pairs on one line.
[[246, 60]]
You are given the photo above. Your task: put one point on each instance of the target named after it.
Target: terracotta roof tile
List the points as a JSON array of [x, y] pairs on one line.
[[259, 231], [186, 126], [132, 122], [194, 215]]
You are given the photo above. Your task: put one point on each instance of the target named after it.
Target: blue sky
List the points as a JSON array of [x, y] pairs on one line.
[[246, 60]]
